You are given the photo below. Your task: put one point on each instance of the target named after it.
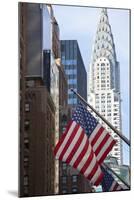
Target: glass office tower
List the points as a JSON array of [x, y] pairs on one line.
[[74, 69]]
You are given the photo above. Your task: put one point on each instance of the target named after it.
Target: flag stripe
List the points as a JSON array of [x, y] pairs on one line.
[[95, 174], [63, 143], [118, 188], [94, 171], [104, 141], [72, 142], [80, 140], [91, 166], [97, 135], [106, 148], [62, 138], [84, 157], [98, 181], [67, 143], [113, 186], [106, 151], [94, 132], [80, 152], [95, 146], [87, 162], [59, 143]]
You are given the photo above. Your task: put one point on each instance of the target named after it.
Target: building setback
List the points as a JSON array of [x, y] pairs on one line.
[[70, 179], [104, 80], [37, 109]]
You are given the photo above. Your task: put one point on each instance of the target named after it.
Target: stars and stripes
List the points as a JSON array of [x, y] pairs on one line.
[[109, 184], [75, 149], [100, 139], [84, 145]]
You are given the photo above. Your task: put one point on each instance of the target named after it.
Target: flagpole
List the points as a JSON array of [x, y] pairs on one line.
[[108, 123], [107, 167]]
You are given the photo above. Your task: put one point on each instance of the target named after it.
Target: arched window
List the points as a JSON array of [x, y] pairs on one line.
[[102, 64]]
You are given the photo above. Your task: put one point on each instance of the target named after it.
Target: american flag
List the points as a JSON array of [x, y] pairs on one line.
[[100, 139], [110, 184], [75, 149]]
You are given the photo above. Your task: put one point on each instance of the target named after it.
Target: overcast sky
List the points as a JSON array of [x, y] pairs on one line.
[[80, 23]]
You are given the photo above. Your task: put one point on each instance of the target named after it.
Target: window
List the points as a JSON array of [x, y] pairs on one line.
[[72, 101], [27, 124], [64, 179], [71, 71], [64, 191], [30, 83], [74, 178], [74, 190], [26, 161], [115, 136], [72, 81], [102, 64], [25, 180], [102, 81], [115, 110], [116, 149], [74, 86], [115, 114], [70, 62], [25, 190], [64, 166], [26, 143], [72, 76], [70, 96], [27, 107], [116, 154]]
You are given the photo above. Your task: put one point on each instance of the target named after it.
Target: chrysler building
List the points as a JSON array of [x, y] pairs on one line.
[[104, 80]]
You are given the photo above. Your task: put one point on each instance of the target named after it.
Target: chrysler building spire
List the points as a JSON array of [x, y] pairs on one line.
[[104, 79], [104, 11], [104, 47], [104, 44]]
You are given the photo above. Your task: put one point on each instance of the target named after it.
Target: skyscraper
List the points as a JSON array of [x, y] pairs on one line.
[[104, 80], [74, 69], [40, 94]]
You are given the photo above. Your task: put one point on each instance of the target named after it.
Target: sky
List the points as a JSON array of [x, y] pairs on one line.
[[80, 23]]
